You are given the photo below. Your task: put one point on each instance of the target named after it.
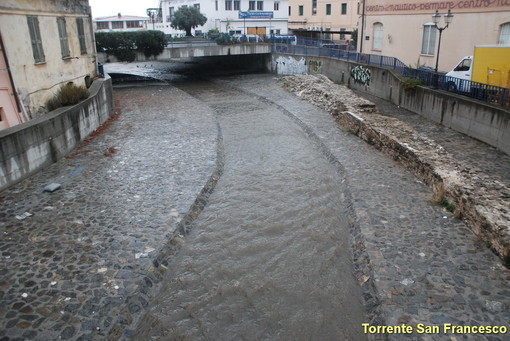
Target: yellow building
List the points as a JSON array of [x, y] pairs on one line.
[[405, 29], [323, 18], [44, 44]]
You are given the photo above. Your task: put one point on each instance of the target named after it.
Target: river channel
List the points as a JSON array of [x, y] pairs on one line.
[[268, 258]]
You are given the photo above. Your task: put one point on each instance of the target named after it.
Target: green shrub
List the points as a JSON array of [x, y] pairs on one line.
[[409, 84], [123, 45], [68, 94], [225, 39]]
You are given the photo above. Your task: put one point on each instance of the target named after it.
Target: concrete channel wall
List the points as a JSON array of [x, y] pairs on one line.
[[28, 147], [485, 122]]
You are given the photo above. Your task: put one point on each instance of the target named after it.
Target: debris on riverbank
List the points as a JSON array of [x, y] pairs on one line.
[[482, 201]]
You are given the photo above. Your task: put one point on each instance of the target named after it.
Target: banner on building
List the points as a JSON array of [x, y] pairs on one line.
[[256, 15]]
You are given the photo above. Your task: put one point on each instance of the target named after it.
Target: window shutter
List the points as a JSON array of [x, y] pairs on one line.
[[81, 35], [62, 33], [35, 39]]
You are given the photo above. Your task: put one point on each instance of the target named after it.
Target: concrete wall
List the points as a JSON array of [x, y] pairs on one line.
[[488, 123], [30, 146]]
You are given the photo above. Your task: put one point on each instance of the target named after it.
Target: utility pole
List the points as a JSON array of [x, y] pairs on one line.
[[361, 37]]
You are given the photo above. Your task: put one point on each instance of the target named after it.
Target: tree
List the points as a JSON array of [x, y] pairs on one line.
[[187, 18]]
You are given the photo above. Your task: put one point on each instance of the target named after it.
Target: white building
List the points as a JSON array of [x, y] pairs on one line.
[[120, 23], [225, 16]]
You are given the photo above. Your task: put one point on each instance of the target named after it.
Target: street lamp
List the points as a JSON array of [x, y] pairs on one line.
[[448, 18], [154, 14]]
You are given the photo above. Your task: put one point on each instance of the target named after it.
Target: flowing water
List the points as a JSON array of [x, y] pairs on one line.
[[268, 258]]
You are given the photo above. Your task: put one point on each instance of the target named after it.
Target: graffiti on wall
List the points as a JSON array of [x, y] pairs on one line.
[[315, 66], [289, 66], [361, 75]]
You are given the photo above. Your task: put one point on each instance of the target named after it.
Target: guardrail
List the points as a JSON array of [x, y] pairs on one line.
[[488, 93]]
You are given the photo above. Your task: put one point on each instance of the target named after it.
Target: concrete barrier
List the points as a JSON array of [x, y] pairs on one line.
[[28, 147], [485, 122]]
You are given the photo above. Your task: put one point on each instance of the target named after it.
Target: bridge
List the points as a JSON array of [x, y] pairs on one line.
[[194, 51]]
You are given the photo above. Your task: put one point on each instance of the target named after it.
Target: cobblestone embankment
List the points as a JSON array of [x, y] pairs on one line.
[[84, 264], [481, 200]]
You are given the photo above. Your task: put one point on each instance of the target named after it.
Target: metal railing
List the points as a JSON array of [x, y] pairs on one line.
[[488, 93]]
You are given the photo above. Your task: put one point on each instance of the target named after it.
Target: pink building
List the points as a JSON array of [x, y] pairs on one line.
[[404, 29]]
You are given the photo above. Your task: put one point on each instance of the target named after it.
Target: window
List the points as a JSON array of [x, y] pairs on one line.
[[237, 5], [117, 24], [228, 5], [197, 6], [342, 36], [260, 5], [133, 24], [327, 35], [62, 34], [344, 8], [301, 11], [216, 4], [314, 7], [171, 12], [290, 11], [464, 65], [276, 6], [251, 5], [328, 9], [504, 35], [102, 25], [81, 35], [428, 45], [35, 39], [378, 36]]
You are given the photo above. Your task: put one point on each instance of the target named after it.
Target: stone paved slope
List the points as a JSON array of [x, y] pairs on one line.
[[482, 199], [81, 266]]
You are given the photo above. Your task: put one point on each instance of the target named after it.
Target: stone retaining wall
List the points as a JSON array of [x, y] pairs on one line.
[[28, 147], [485, 122]]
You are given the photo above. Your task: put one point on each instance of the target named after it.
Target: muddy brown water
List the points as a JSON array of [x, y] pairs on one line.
[[268, 258]]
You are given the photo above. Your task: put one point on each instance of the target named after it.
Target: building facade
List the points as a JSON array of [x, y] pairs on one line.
[[324, 18], [43, 46], [120, 23], [404, 29], [227, 16]]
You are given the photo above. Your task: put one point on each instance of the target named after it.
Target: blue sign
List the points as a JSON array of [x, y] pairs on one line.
[[256, 15]]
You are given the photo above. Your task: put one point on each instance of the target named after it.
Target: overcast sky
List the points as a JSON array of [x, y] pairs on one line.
[[105, 8]]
